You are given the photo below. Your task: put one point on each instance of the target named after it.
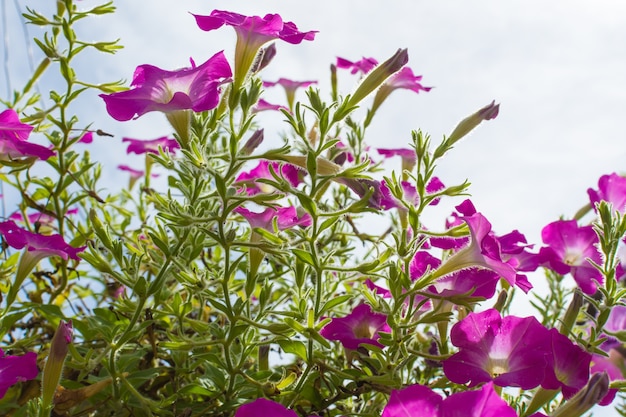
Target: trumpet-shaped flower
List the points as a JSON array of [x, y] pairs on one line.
[[14, 369], [568, 365], [264, 407], [419, 400], [140, 146], [42, 245], [285, 217], [154, 89], [252, 33], [612, 189], [363, 65], [510, 351], [263, 105], [569, 247], [289, 172], [290, 87], [12, 128], [360, 326]]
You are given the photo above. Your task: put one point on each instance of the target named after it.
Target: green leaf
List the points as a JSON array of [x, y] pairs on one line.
[[294, 347]]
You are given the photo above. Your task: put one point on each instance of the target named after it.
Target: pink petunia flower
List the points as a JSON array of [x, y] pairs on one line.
[[510, 351], [43, 219], [569, 247], [11, 128], [264, 407], [568, 365], [612, 189], [419, 400], [363, 65], [285, 217], [290, 87], [140, 146], [252, 33], [403, 79], [42, 245], [14, 369], [289, 172], [263, 105], [360, 326], [154, 89]]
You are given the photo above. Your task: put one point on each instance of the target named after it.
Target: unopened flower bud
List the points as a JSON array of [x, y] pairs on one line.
[[264, 58], [466, 125], [586, 398], [59, 347], [379, 74], [253, 142]]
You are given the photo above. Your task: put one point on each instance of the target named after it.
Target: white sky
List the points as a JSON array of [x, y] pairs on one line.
[[557, 68]]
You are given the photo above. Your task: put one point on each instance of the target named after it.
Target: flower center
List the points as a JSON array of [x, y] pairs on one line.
[[573, 258]]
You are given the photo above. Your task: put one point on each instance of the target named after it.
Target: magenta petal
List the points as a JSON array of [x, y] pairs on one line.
[[154, 89], [612, 189], [11, 128], [360, 326], [14, 369], [569, 368], [484, 402], [47, 245], [264, 407], [412, 401]]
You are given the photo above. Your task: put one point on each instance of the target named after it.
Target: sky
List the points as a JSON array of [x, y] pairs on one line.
[[557, 68]]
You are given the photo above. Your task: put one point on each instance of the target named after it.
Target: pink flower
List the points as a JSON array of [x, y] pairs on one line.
[[14, 369], [569, 247], [364, 65], [52, 245], [568, 365], [612, 189], [264, 407], [360, 326], [86, 138], [38, 218], [286, 218], [419, 400], [11, 128], [509, 351], [252, 33], [290, 173], [263, 105], [290, 87], [154, 89], [134, 173], [406, 154], [140, 146]]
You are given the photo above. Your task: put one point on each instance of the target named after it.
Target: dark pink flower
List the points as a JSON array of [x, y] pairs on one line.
[[612, 365], [509, 351], [569, 247], [363, 66], [52, 245], [11, 128], [405, 153], [405, 79], [568, 365], [612, 189], [264, 407], [154, 89], [263, 105], [14, 369], [140, 146], [252, 33], [484, 250], [86, 138], [419, 400], [39, 218], [289, 172], [285, 217], [360, 326]]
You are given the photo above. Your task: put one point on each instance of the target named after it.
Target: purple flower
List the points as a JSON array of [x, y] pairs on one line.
[[286, 218], [419, 400], [14, 369], [364, 65], [569, 247], [406, 154], [360, 326], [612, 189], [612, 366], [140, 146], [43, 245], [289, 172], [509, 351], [264, 407], [154, 89], [252, 33], [404, 79], [86, 138], [11, 128]]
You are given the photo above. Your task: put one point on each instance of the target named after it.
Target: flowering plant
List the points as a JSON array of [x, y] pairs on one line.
[[253, 283]]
